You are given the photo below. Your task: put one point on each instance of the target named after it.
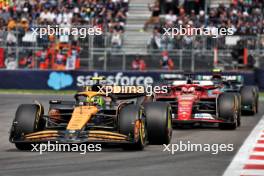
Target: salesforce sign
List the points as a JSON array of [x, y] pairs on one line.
[[71, 80], [116, 78]]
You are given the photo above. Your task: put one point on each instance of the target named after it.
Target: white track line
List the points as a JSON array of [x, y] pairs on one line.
[[259, 145], [257, 153], [254, 161], [252, 172], [241, 158]]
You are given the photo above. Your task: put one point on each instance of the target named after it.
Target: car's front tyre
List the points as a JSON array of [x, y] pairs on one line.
[[159, 122], [28, 119]]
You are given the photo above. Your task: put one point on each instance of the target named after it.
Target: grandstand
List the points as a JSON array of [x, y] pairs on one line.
[[135, 41], [125, 36]]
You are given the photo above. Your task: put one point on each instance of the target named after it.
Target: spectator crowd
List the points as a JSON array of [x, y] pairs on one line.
[[19, 17], [244, 17]]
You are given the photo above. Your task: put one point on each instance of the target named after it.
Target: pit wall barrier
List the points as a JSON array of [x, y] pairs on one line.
[[73, 80]]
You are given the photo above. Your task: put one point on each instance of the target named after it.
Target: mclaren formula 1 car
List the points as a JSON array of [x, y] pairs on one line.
[[131, 120], [191, 103]]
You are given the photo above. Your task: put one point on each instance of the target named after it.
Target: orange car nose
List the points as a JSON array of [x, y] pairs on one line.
[[80, 116]]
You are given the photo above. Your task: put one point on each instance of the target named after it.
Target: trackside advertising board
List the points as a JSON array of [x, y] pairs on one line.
[[72, 80]]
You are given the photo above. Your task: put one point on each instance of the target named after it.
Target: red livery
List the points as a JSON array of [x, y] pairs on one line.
[[199, 102]]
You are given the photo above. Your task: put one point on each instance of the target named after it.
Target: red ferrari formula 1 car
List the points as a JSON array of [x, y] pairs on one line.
[[191, 103]]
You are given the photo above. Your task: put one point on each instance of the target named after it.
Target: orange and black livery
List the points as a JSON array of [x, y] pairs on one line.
[[132, 120]]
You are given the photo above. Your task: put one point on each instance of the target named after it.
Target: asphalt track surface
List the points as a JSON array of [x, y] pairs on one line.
[[114, 161]]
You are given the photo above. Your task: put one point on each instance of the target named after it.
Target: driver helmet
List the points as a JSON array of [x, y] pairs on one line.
[[99, 101], [217, 76], [217, 79]]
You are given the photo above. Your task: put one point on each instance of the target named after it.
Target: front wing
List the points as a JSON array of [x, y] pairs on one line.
[[66, 136]]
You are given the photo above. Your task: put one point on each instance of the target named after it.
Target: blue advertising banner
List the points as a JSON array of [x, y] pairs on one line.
[[71, 80]]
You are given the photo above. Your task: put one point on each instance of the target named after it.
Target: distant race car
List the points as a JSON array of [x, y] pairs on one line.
[[249, 95], [192, 103], [132, 120]]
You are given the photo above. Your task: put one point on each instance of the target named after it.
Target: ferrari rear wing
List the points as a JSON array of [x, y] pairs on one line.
[[196, 82]]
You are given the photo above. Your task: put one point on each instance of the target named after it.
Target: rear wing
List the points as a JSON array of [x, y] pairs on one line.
[[172, 76], [195, 82], [169, 78], [230, 78]]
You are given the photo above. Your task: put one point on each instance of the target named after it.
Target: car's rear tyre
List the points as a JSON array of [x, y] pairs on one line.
[[239, 109], [28, 119], [257, 98], [159, 122], [249, 100], [128, 117], [228, 111]]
